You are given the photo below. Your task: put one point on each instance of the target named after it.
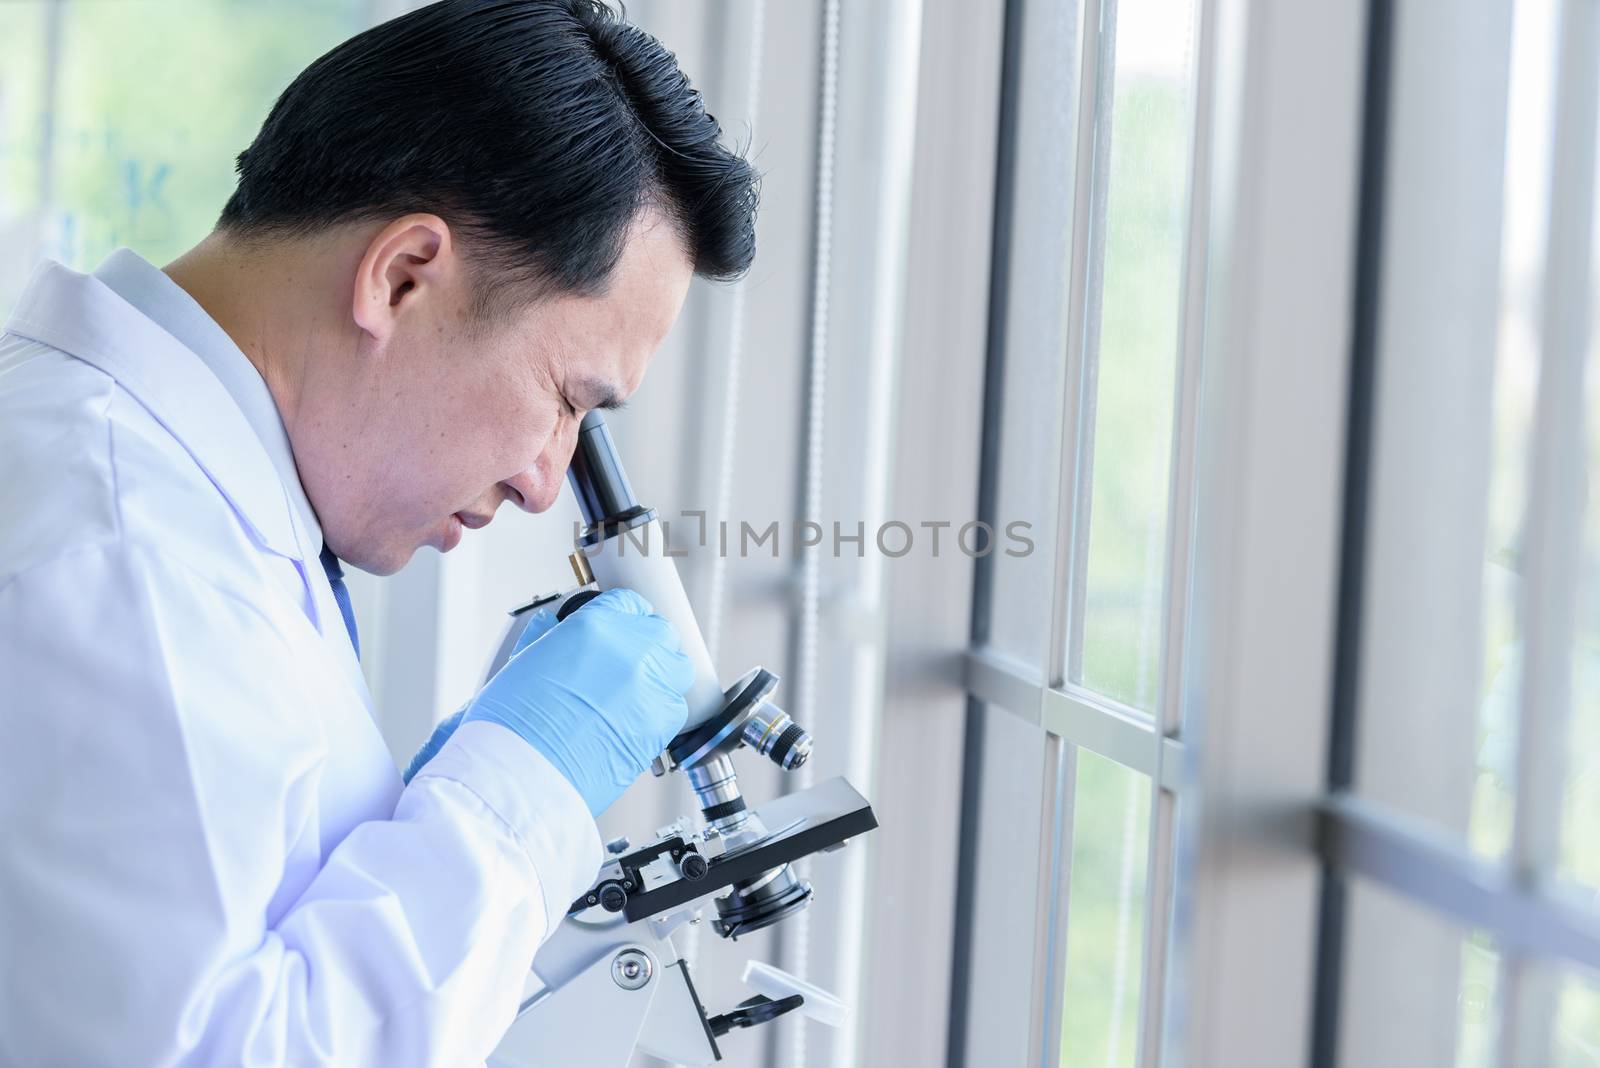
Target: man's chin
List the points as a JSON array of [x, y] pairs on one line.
[[395, 553], [383, 562]]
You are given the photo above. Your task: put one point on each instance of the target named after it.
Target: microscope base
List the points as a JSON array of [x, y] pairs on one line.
[[634, 993]]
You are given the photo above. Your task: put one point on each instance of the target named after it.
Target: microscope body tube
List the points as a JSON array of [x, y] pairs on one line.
[[637, 559]]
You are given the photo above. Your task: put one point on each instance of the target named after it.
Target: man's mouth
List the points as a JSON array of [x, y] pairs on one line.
[[456, 524]]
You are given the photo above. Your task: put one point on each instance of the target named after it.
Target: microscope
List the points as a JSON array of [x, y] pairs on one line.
[[609, 981]]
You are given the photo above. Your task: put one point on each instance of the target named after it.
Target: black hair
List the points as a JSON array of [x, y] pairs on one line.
[[538, 128]]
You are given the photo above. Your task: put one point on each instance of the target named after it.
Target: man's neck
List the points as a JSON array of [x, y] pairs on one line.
[[229, 287]]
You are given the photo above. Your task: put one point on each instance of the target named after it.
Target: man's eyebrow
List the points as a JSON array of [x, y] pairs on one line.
[[600, 395]]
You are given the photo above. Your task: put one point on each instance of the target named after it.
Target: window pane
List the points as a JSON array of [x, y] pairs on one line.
[[1580, 839], [1516, 379], [1033, 389], [1417, 988], [100, 147], [1560, 1022], [1105, 914], [1133, 345], [1026, 492], [1514, 427], [1576, 1042], [1479, 1003], [24, 172]]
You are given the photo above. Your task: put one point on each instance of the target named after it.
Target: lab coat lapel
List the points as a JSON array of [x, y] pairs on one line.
[[80, 315]]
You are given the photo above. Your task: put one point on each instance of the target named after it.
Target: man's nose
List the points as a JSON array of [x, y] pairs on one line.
[[532, 490], [537, 488]]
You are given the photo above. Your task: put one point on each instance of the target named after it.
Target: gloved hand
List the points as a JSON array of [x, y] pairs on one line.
[[600, 694], [538, 623]]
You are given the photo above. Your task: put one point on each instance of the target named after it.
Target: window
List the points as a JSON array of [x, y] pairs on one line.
[[1133, 334], [1415, 886], [100, 147], [1515, 383], [1094, 376], [1472, 715], [1105, 935]]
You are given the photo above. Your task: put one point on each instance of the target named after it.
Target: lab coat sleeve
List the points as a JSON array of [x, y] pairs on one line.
[[164, 895]]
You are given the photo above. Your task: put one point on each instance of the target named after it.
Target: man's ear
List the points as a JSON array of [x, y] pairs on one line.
[[405, 263]]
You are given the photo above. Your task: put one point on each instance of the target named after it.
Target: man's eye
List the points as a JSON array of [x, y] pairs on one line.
[[568, 406]]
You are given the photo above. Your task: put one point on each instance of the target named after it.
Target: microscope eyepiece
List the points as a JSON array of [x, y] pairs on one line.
[[596, 474]]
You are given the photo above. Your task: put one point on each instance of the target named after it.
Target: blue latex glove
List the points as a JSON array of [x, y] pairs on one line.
[[599, 695], [538, 623]]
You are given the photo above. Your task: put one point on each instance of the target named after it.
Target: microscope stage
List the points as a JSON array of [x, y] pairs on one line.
[[801, 824]]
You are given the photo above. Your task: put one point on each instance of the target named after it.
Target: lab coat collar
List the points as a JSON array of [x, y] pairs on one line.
[[82, 316], [167, 304]]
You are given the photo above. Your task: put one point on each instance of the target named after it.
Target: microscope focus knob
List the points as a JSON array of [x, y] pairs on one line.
[[693, 867], [613, 898], [575, 602]]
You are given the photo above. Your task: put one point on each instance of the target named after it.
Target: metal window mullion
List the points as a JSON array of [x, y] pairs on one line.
[[1160, 889], [996, 680], [1552, 538], [1077, 419], [1130, 739], [1088, 720], [1371, 190], [1173, 775], [1052, 901], [1160, 866], [1186, 402], [1439, 872], [1096, 88]]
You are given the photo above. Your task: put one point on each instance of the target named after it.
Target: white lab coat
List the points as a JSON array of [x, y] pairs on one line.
[[206, 853]]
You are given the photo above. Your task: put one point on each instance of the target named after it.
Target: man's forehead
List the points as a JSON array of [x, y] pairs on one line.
[[652, 275], [639, 309]]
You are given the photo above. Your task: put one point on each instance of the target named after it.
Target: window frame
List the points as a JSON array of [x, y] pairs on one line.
[[1067, 715]]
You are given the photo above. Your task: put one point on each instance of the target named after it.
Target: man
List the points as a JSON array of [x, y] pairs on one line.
[[454, 235]]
